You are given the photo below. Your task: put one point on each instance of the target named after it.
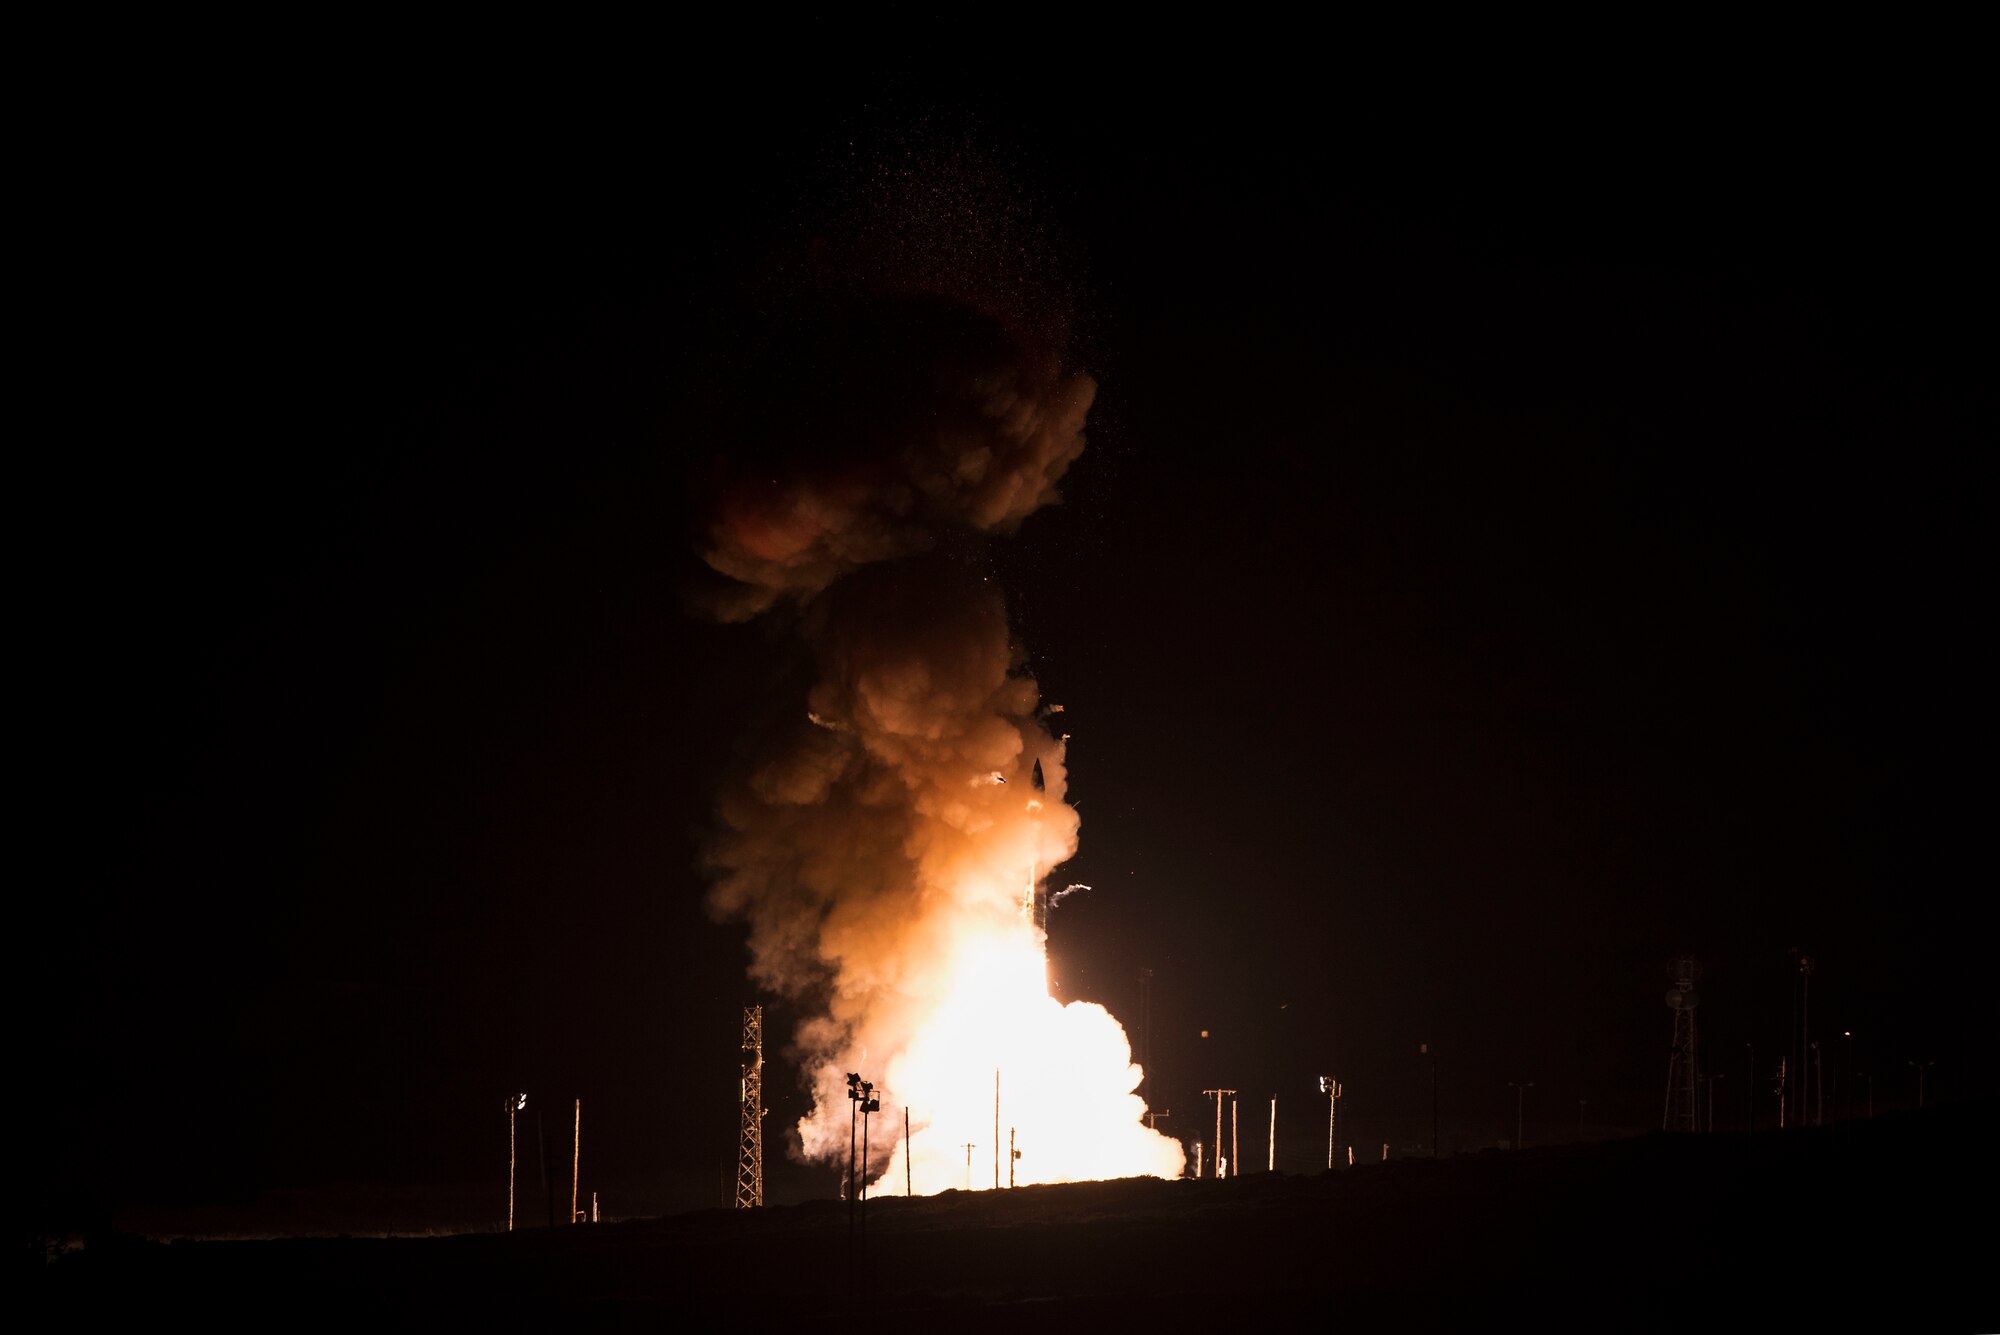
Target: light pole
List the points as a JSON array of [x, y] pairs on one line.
[[1847, 1042], [575, 1157], [1215, 1169], [854, 1097], [1518, 1090], [1331, 1088], [515, 1102], [869, 1104], [1921, 1068], [857, 1100]]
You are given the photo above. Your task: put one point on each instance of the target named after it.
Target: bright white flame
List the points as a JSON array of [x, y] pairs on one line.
[[1066, 1078]]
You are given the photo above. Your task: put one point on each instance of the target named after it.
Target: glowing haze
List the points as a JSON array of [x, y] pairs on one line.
[[886, 844]]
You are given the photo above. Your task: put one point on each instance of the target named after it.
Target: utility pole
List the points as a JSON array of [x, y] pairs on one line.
[[1271, 1159], [1218, 1095], [1921, 1068], [908, 1190], [515, 1102], [996, 1128], [575, 1158], [969, 1147], [1013, 1156], [1518, 1090], [1235, 1161]]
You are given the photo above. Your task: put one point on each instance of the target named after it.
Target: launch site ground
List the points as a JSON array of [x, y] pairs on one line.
[[1861, 1225]]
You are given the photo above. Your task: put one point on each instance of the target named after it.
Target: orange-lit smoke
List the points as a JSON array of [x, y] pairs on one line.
[[880, 850]]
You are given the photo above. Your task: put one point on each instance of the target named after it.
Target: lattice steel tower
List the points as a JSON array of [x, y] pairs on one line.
[[750, 1140], [1681, 1064]]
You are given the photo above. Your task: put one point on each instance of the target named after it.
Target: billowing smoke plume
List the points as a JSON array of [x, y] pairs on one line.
[[886, 848], [922, 424]]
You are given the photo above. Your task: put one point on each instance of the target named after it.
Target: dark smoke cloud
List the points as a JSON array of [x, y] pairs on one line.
[[887, 429]]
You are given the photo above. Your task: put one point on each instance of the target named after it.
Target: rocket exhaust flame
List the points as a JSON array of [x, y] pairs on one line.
[[888, 851]]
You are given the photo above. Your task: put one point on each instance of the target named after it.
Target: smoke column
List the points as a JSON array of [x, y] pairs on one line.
[[885, 844]]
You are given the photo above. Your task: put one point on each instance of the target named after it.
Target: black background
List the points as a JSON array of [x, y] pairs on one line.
[[1523, 537]]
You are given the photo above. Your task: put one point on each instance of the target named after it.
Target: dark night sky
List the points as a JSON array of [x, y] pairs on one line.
[[1519, 541]]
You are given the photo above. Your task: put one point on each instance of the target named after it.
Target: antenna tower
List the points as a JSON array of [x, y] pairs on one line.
[[750, 1140], [1681, 1064]]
